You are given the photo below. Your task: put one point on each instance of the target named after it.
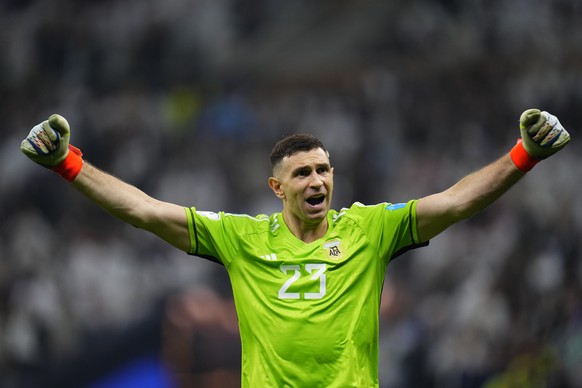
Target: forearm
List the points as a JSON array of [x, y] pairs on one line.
[[467, 197], [122, 200], [480, 189], [133, 206]]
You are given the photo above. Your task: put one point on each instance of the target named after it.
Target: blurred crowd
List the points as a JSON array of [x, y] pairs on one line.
[[184, 99]]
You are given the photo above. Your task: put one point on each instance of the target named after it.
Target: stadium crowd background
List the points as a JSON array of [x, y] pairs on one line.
[[185, 99]]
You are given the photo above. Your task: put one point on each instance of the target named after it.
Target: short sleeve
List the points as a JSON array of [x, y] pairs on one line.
[[391, 227], [210, 235]]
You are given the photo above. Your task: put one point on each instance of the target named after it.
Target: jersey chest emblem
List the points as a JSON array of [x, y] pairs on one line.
[[333, 249]]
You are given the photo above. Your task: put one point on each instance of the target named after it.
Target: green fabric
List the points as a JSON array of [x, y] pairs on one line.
[[308, 313]]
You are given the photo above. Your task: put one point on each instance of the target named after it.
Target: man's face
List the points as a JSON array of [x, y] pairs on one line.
[[304, 181]]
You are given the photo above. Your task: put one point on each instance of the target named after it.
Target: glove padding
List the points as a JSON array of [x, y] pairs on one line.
[[48, 142], [541, 133]]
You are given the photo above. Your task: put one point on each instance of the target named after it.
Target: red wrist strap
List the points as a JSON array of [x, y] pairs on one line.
[[521, 158], [71, 166]]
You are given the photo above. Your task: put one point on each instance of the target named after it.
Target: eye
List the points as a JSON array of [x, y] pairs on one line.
[[323, 170], [303, 172]]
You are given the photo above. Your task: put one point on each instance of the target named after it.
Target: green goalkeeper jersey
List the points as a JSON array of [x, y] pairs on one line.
[[308, 313]]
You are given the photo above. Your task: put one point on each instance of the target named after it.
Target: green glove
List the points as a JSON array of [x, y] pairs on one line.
[[48, 145], [542, 134], [48, 142]]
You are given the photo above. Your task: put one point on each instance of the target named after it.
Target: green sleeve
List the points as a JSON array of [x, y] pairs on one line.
[[211, 235], [392, 227]]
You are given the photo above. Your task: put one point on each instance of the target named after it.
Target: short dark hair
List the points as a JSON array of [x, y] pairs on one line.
[[293, 144]]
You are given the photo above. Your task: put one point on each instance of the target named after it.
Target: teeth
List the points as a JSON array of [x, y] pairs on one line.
[[316, 199]]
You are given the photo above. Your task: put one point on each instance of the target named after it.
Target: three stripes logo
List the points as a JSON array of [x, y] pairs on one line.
[[269, 257]]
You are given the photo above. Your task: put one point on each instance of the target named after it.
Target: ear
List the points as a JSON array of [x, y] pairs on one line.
[[275, 185]]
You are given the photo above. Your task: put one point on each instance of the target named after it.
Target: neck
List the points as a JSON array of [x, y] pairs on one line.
[[306, 232]]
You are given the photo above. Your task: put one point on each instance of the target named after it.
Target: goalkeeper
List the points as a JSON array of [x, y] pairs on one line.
[[306, 281]]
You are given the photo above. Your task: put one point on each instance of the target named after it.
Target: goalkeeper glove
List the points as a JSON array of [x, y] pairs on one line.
[[48, 145], [542, 135]]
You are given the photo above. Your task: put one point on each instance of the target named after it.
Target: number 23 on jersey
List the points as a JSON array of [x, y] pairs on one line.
[[315, 274]]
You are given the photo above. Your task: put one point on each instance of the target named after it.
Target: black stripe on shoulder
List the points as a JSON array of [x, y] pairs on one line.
[[408, 248], [208, 257], [195, 231], [410, 218]]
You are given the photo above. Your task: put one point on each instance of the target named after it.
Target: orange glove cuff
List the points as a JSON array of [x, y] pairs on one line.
[[522, 160], [71, 166]]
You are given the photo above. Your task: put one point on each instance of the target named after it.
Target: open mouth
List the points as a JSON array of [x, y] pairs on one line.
[[316, 200]]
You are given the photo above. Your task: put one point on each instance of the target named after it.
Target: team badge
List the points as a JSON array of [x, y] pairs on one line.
[[334, 249]]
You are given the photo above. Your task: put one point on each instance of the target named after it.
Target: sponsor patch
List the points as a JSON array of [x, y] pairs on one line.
[[395, 206], [211, 215]]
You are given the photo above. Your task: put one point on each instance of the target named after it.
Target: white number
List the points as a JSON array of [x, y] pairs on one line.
[[320, 273], [317, 271], [283, 294]]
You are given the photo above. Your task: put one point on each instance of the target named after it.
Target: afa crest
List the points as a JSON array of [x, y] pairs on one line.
[[333, 249]]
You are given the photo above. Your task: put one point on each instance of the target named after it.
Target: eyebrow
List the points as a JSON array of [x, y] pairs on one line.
[[308, 166]]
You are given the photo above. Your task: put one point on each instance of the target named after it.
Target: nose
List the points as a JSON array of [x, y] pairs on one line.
[[316, 180]]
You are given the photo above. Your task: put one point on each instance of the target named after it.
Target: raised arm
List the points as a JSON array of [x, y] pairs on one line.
[[128, 203], [542, 135], [467, 197], [48, 145]]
